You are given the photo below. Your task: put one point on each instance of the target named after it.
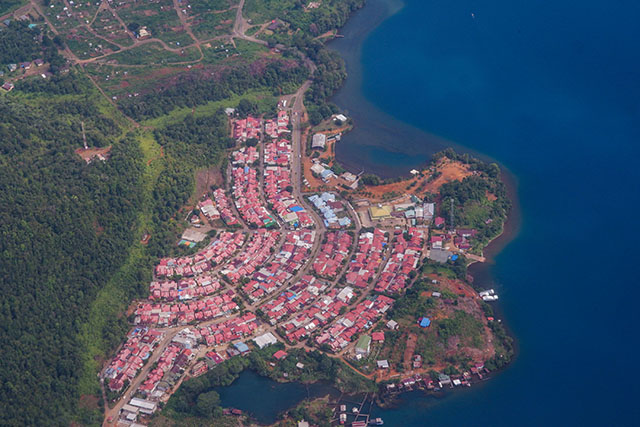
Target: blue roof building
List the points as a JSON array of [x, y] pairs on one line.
[[425, 322], [241, 347]]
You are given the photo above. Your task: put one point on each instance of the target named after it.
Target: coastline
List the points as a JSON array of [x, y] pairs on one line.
[[359, 27], [481, 272], [510, 229]]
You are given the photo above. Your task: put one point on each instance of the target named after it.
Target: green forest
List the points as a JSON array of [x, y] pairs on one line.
[[65, 227]]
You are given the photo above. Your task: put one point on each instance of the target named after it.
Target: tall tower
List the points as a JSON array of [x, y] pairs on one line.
[[84, 136], [451, 214]]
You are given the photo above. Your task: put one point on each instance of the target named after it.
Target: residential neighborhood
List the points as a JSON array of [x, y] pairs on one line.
[[279, 266]]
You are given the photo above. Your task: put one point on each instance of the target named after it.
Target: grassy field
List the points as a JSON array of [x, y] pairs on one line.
[[203, 6], [85, 45], [109, 27], [154, 53], [212, 24], [264, 98], [260, 11]]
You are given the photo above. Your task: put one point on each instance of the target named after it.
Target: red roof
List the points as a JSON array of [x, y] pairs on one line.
[[280, 354], [378, 336]]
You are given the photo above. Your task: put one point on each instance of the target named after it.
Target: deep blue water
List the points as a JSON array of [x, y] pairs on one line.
[[551, 90]]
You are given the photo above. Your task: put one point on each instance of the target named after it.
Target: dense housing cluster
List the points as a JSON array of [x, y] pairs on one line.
[[306, 279], [367, 259]]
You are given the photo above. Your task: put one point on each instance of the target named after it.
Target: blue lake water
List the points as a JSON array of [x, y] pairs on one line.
[[264, 399], [551, 90]]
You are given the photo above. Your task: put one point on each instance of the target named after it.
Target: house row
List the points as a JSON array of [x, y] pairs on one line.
[[292, 256], [277, 153], [405, 255], [26, 65], [247, 198], [244, 129], [184, 289], [229, 330], [254, 254], [333, 253], [278, 187], [317, 315], [332, 210], [165, 362], [131, 356], [217, 252], [294, 299], [415, 211], [359, 319], [170, 365], [164, 314], [224, 207], [463, 237], [276, 127], [368, 257], [245, 156]]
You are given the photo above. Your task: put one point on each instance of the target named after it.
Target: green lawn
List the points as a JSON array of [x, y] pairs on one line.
[[154, 53], [264, 99]]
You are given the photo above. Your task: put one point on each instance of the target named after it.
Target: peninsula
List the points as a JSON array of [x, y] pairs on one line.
[[185, 160]]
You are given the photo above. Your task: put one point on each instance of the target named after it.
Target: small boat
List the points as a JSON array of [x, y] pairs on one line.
[[376, 422], [487, 293]]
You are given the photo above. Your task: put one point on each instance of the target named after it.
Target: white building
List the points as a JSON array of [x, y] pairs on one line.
[[318, 141]]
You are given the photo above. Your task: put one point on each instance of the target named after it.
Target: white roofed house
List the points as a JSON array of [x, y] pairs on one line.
[[316, 168], [318, 141], [429, 210]]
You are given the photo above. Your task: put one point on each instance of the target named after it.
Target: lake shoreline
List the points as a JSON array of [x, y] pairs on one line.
[[480, 271]]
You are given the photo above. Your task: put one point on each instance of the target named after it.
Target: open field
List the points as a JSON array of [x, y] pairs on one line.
[[445, 171]]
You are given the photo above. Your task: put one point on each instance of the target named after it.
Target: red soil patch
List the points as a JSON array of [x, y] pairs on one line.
[[89, 153], [206, 178], [98, 228], [449, 171], [412, 339], [145, 238]]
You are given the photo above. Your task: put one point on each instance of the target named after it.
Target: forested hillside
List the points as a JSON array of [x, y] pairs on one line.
[[65, 228]]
